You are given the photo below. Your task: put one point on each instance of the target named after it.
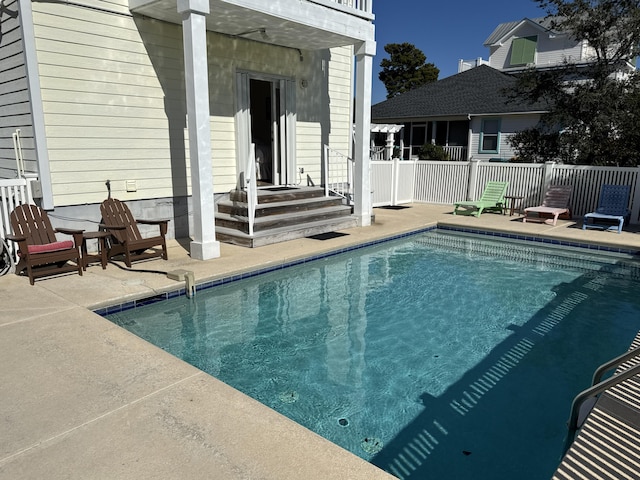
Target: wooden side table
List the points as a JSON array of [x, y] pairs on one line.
[[102, 248], [513, 199]]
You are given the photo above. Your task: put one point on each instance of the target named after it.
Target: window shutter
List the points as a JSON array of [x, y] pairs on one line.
[[523, 50]]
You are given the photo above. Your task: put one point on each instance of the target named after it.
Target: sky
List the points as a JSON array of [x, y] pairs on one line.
[[444, 31]]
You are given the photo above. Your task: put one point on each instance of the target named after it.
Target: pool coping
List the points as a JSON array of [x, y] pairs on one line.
[[207, 284]]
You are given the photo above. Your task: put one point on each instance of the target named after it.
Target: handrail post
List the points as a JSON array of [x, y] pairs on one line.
[[326, 170], [251, 187]]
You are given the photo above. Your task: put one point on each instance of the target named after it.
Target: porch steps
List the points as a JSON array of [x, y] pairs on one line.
[[282, 214]]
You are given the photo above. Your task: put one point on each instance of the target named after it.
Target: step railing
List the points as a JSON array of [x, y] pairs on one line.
[[456, 154], [338, 174], [597, 387], [251, 187], [377, 153]]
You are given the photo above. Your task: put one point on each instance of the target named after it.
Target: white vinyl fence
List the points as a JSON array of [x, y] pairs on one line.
[[12, 193], [393, 182], [448, 182]]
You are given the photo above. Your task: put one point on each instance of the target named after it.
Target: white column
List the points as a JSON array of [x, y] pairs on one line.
[[362, 177], [194, 34]]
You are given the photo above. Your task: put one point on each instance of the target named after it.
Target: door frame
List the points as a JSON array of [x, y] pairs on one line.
[[284, 139]]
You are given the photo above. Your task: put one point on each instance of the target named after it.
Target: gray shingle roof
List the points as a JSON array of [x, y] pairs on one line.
[[477, 91]]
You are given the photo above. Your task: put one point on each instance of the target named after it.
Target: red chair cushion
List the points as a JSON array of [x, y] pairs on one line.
[[51, 247]]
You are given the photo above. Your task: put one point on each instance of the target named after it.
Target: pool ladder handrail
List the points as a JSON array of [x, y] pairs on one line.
[[598, 386]]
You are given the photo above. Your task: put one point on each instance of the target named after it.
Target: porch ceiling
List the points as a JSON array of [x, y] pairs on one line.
[[301, 25]]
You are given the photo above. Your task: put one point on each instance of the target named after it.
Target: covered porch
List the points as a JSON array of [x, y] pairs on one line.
[[305, 29]]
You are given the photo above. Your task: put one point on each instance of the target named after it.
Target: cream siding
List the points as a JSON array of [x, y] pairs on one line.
[[114, 106], [341, 98], [107, 112]]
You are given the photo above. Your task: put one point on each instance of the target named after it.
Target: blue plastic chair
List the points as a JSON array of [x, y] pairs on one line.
[[613, 209]]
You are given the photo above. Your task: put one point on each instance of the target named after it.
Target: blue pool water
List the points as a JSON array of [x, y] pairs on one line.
[[435, 356]]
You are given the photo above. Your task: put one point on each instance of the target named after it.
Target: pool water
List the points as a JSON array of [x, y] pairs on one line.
[[434, 356]]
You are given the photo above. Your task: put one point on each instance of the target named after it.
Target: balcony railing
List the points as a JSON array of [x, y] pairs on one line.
[[365, 6], [458, 154]]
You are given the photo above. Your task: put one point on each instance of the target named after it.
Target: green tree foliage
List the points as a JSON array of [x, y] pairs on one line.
[[430, 151], [405, 69], [592, 114]]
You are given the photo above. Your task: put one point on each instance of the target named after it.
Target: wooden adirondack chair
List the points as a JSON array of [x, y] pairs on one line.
[[125, 236], [40, 252]]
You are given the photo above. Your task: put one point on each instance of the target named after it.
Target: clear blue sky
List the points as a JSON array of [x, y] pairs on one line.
[[444, 31]]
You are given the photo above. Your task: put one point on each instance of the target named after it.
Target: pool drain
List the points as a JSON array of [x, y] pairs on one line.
[[289, 397], [343, 422], [371, 445]]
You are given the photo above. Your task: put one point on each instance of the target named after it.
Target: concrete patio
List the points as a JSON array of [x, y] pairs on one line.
[[83, 398]]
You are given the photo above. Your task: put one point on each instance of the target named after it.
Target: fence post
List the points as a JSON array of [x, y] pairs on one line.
[[473, 178], [395, 178], [548, 176], [635, 201]]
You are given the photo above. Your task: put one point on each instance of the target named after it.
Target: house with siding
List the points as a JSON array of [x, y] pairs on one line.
[[160, 103], [469, 114], [517, 45]]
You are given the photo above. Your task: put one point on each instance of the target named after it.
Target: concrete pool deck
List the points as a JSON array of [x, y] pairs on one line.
[[83, 398]]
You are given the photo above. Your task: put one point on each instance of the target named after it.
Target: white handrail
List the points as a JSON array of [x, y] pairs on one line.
[[251, 188], [338, 174], [17, 147], [325, 170], [572, 423]]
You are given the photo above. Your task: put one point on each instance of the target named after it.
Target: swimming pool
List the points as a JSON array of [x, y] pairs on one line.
[[433, 356]]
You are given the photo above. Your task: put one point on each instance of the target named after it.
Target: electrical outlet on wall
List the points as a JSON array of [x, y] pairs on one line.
[[131, 186], [301, 170]]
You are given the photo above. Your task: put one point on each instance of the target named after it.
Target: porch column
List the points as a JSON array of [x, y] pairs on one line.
[[362, 176], [194, 35], [391, 137]]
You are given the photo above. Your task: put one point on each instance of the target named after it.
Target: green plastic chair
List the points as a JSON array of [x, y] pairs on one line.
[[492, 200]]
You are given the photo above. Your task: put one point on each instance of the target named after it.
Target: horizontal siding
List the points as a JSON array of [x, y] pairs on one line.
[[508, 126], [549, 50], [340, 100], [114, 106], [15, 110], [308, 148], [107, 113]]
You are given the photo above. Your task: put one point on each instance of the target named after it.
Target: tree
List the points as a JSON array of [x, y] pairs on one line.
[[591, 111], [405, 69]]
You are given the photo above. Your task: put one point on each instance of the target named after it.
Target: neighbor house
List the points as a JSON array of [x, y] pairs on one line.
[[515, 46], [159, 102], [469, 114]]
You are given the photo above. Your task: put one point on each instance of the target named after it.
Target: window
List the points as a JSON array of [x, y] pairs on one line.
[[418, 137], [490, 136], [523, 50]]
